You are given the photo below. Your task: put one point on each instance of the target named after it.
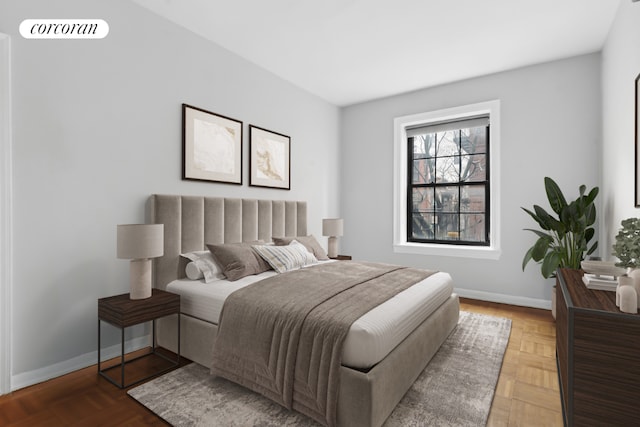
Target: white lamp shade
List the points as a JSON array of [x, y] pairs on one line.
[[140, 241], [332, 227]]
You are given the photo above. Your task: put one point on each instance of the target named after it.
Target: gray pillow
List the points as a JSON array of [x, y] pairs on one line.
[[309, 242], [237, 260]]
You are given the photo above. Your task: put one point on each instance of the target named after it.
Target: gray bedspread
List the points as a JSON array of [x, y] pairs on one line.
[[282, 337]]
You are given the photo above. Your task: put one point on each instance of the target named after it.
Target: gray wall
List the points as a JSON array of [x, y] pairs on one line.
[[550, 117], [97, 128], [620, 67]]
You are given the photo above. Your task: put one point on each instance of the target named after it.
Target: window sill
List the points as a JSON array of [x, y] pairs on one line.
[[480, 252]]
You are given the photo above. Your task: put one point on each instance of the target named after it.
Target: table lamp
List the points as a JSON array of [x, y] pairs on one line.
[[140, 243], [332, 227]]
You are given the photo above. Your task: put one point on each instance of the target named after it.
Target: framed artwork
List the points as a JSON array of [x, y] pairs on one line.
[[270, 159], [211, 146], [637, 138]]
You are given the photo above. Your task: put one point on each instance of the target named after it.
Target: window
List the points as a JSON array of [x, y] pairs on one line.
[[446, 182]]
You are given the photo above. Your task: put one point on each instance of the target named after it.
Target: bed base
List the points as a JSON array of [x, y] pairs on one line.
[[364, 398]]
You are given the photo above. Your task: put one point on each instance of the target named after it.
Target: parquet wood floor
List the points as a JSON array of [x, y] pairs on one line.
[[526, 395]]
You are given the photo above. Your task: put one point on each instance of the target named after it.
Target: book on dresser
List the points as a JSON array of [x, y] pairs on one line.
[[600, 282]]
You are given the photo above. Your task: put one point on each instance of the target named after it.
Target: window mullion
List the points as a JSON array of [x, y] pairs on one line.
[[459, 183], [410, 188]]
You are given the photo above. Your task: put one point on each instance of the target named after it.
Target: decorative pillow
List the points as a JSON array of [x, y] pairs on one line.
[[202, 266], [286, 258], [309, 242], [237, 260]]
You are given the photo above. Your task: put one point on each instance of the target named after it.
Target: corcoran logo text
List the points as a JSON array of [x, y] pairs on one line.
[[64, 29]]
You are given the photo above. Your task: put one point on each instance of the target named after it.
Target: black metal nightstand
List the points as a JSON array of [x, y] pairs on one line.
[[122, 312]]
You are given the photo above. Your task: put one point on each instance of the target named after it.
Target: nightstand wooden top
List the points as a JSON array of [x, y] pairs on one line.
[[120, 310]]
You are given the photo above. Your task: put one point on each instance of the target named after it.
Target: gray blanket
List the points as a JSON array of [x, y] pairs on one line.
[[282, 337]]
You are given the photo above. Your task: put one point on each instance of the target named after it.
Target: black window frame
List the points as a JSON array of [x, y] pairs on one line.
[[459, 184]]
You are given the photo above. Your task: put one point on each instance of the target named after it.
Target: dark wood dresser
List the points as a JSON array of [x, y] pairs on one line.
[[598, 355]]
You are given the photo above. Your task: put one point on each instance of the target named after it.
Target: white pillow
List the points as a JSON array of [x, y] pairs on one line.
[[286, 258], [201, 266]]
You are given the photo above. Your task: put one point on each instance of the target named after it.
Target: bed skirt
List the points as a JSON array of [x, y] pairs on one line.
[[365, 398]]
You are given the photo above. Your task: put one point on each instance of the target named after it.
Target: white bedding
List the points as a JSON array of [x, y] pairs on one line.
[[370, 338]]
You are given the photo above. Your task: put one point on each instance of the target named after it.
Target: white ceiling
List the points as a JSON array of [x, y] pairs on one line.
[[349, 51]]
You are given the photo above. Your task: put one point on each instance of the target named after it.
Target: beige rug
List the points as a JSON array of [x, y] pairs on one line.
[[456, 388]]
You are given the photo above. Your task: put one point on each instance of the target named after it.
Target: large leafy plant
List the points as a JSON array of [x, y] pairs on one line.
[[564, 239], [627, 246]]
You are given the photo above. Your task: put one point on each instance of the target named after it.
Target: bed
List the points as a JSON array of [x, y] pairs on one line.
[[368, 389]]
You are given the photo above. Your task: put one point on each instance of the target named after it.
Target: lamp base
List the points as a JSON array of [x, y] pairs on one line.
[[140, 279], [333, 247]]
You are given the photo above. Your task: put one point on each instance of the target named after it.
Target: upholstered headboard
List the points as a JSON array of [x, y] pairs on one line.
[[190, 222]]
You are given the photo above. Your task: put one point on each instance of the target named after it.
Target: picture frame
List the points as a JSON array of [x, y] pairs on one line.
[[269, 159], [211, 146], [637, 140]]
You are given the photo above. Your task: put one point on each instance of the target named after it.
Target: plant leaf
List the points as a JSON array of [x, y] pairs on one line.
[[546, 221], [588, 234], [541, 247], [592, 195], [554, 194], [590, 214], [535, 218], [527, 257], [550, 264], [566, 218], [538, 233], [582, 189]]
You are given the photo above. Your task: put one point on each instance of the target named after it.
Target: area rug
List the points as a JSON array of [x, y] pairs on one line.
[[456, 388]]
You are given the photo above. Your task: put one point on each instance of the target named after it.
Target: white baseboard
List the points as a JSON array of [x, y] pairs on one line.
[[26, 379], [504, 299]]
